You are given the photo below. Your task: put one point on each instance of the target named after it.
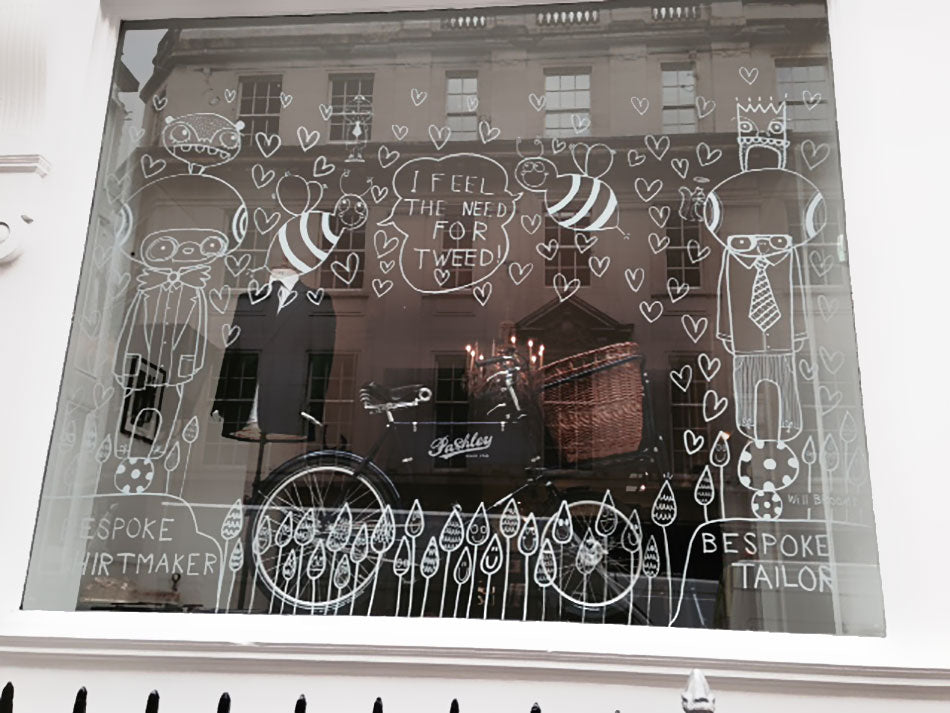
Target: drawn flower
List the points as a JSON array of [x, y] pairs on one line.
[[290, 566], [705, 491], [651, 559], [830, 457], [493, 556], [589, 554], [510, 520], [453, 532], [263, 538], [317, 564], [478, 530], [631, 538], [529, 539], [384, 532], [402, 562], [664, 507], [236, 560], [285, 533], [105, 450], [430, 559], [545, 569], [307, 528], [415, 520], [809, 452], [719, 455], [190, 431], [340, 530], [360, 549], [233, 521], [606, 521], [848, 430], [563, 531], [173, 459], [463, 567], [343, 572]]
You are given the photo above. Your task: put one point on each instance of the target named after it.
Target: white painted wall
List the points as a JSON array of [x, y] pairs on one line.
[[889, 63]]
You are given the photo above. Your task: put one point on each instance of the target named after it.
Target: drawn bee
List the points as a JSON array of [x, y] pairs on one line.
[[306, 240], [580, 201]]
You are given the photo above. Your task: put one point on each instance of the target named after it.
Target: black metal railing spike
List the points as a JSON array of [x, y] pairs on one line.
[[301, 706], [454, 708], [79, 706], [152, 705], [378, 706], [224, 703], [6, 698]]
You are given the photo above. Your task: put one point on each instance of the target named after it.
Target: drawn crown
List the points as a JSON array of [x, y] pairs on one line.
[[760, 107]]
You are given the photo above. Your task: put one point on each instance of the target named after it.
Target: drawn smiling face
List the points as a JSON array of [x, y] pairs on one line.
[[533, 173], [202, 140]]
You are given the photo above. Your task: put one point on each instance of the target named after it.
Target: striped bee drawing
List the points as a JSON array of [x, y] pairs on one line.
[[580, 201]]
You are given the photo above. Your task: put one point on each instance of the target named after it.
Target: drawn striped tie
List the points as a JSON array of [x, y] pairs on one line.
[[763, 309]]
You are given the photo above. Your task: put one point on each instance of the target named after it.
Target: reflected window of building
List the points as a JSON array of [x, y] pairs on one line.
[[461, 105], [260, 104], [571, 251], [805, 88], [567, 104], [824, 259], [346, 272], [683, 254], [457, 236], [332, 391], [451, 403], [686, 412], [351, 96], [679, 98]]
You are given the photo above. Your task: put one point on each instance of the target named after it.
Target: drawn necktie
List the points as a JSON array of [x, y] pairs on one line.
[[763, 309]]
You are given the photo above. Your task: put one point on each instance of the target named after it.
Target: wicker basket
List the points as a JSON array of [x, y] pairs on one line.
[[593, 402]]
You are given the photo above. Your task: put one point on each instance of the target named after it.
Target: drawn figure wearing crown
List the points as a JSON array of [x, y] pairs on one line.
[[761, 216]]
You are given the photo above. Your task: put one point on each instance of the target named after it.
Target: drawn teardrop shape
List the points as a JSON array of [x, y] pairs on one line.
[[606, 522], [529, 540], [479, 529], [589, 554], [453, 531], [848, 430], [360, 549], [285, 533], [306, 529], [809, 452], [430, 559], [664, 507], [384, 532], [233, 522], [705, 491], [340, 530], [563, 530], [830, 456], [342, 574], [545, 569], [236, 559], [493, 556], [510, 520], [415, 520], [173, 459], [651, 559], [263, 538], [402, 562], [632, 536], [317, 564], [719, 454], [463, 567], [190, 432], [105, 450], [289, 568]]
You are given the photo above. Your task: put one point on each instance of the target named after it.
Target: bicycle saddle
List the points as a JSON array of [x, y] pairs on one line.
[[378, 398]]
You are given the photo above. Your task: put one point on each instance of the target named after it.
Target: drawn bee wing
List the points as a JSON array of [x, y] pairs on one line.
[[593, 160]]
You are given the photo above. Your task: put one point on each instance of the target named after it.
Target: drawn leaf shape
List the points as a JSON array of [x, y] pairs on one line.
[[530, 538], [105, 450], [809, 452], [402, 563], [90, 438], [631, 539], [190, 432], [664, 507], [430, 559], [651, 559], [236, 560], [307, 528], [453, 532], [830, 457], [563, 530], [233, 522], [343, 573], [290, 566], [848, 430], [705, 491], [463, 567], [719, 456], [415, 520], [510, 520], [360, 549], [545, 569], [493, 556], [606, 522], [384, 532], [263, 538], [479, 529], [589, 554], [341, 529], [285, 533], [317, 564], [173, 459]]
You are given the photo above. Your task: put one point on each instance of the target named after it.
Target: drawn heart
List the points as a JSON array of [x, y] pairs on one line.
[[821, 264], [749, 75], [828, 399], [378, 193], [285, 296], [657, 146], [115, 187], [230, 95], [326, 111], [580, 123], [308, 139], [265, 221], [285, 99], [682, 378], [230, 333], [537, 103], [598, 265], [439, 135], [237, 265], [681, 166], [706, 155], [584, 242], [813, 154], [565, 288], [811, 100], [709, 366], [472, 103], [261, 177], [136, 133], [651, 311], [384, 244], [713, 405], [151, 167], [346, 272], [400, 131], [635, 158], [647, 190], [692, 441], [316, 296], [159, 102], [418, 96], [807, 370], [531, 223], [657, 243], [441, 276], [257, 292], [482, 293], [381, 287], [828, 308], [695, 252], [660, 215], [676, 290], [101, 394], [634, 278], [387, 266], [121, 284], [486, 132], [518, 272], [704, 106], [547, 250], [322, 167], [558, 145], [832, 360], [220, 298], [640, 105], [267, 144], [386, 156], [694, 328]]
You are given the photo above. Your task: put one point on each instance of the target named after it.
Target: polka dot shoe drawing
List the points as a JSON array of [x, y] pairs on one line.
[[134, 475], [767, 465], [767, 505]]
